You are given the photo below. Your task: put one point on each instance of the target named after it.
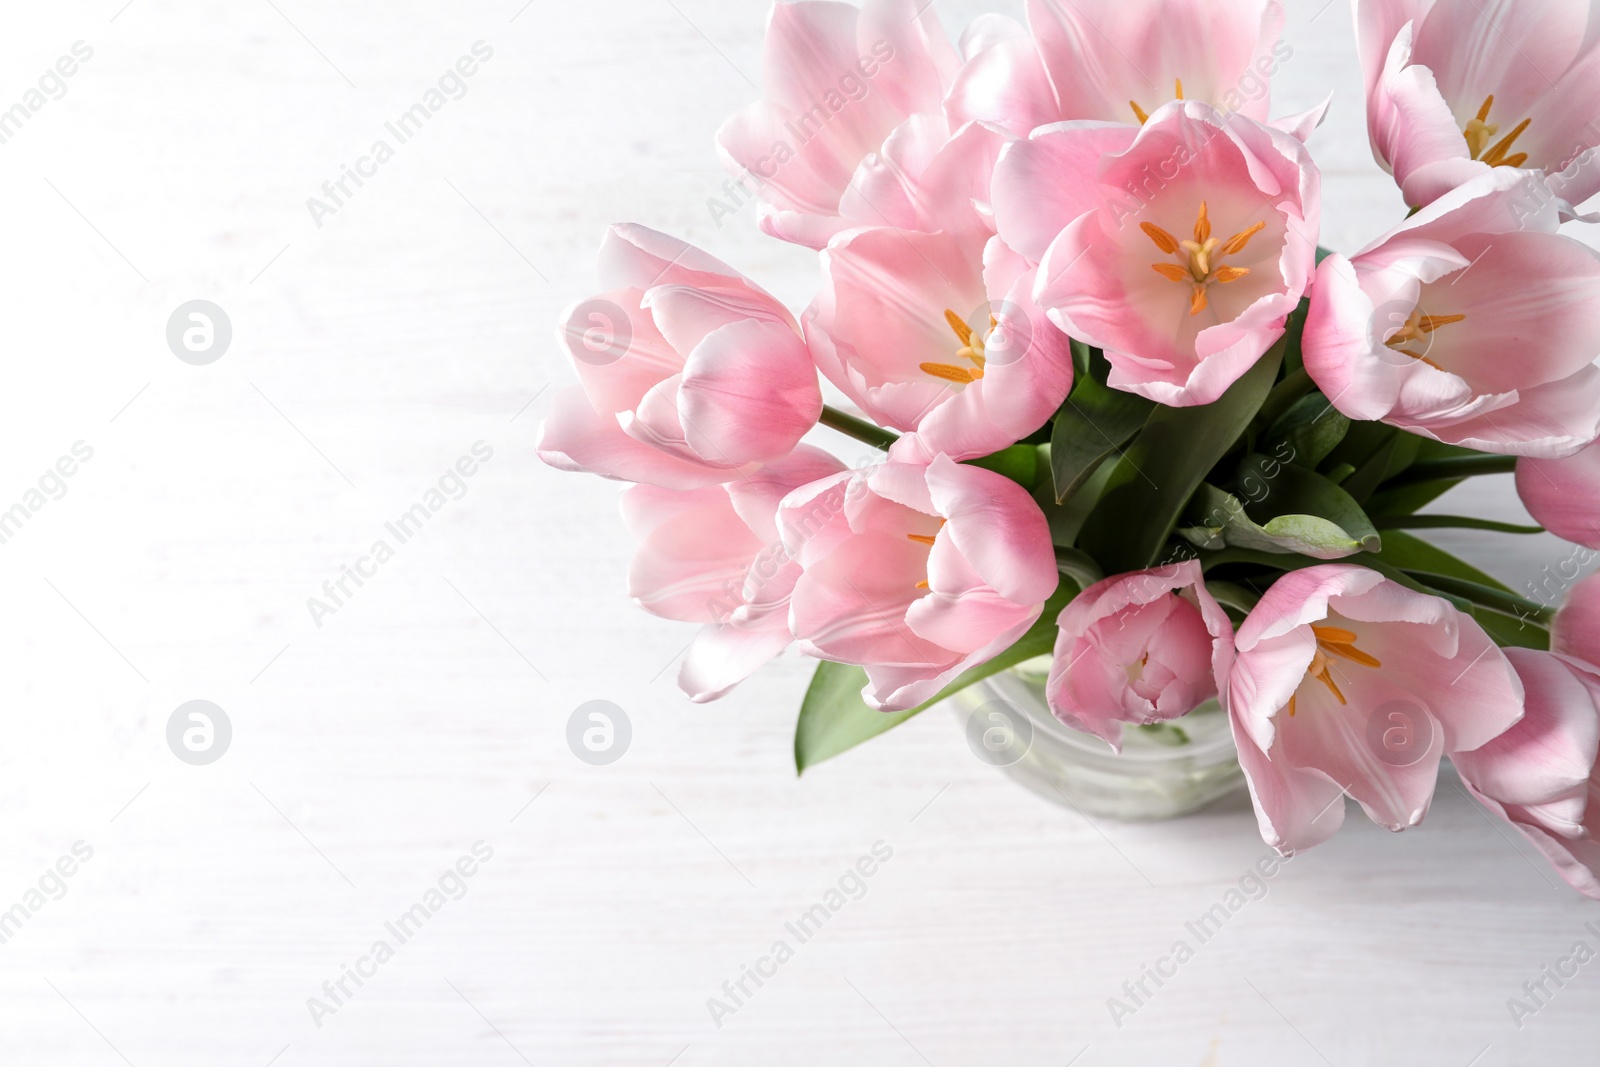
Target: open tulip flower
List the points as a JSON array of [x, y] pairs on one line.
[[1454, 92], [919, 573], [1349, 683], [1120, 426], [1179, 247], [1414, 329]]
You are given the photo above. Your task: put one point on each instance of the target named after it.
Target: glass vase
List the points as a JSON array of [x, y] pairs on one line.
[[1163, 771]]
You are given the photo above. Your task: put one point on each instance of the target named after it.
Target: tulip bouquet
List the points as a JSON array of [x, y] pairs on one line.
[[1124, 412]]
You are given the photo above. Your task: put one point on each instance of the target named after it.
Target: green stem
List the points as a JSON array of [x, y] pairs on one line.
[[1498, 600], [1432, 470], [860, 429], [1450, 522]]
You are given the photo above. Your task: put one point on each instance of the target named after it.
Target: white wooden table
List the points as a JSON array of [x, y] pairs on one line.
[[429, 711]]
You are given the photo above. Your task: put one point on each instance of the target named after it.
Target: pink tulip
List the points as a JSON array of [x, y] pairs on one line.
[[923, 573], [836, 82], [1455, 90], [690, 371], [1540, 775], [1563, 495], [931, 333], [1347, 682], [1179, 248], [1142, 648], [1120, 60], [713, 555], [1473, 323]]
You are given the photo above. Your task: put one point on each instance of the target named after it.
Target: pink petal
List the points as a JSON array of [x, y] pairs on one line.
[[1563, 495], [1576, 630], [1043, 183], [749, 393], [576, 438], [997, 528], [723, 656], [1295, 809], [1551, 752]]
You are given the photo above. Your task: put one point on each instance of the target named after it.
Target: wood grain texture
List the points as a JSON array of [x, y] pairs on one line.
[[372, 751]]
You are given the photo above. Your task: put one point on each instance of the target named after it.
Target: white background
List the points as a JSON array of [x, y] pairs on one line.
[[372, 751]]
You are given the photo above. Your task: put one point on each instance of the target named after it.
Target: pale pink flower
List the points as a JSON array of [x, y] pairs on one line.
[[924, 572], [1179, 247], [836, 81], [1473, 323], [1540, 775], [1347, 682], [713, 555], [926, 332], [1142, 648], [690, 372], [1563, 495], [1455, 89], [1120, 60]]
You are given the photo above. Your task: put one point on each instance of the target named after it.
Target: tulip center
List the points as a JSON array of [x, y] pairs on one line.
[[1199, 262], [971, 350], [1480, 134], [1144, 116], [1417, 328], [1334, 642]]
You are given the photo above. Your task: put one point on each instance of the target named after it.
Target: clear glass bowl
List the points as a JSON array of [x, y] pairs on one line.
[[1163, 771]]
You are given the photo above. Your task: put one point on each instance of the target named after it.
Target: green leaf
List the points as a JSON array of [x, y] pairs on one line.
[[1095, 421], [1411, 553], [834, 718], [1020, 463], [1153, 481], [1384, 462], [1306, 433], [1341, 531], [1511, 632]]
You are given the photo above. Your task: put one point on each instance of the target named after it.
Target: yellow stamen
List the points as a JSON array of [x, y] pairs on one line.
[[1479, 132], [951, 373], [921, 539], [971, 350], [1179, 89], [1327, 679], [1139, 113], [1200, 259], [1496, 156], [957, 324], [1164, 240], [1353, 654], [923, 584], [1417, 327], [1235, 244], [1333, 642]]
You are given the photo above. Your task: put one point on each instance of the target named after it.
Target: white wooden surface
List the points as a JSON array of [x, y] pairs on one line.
[[425, 715]]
